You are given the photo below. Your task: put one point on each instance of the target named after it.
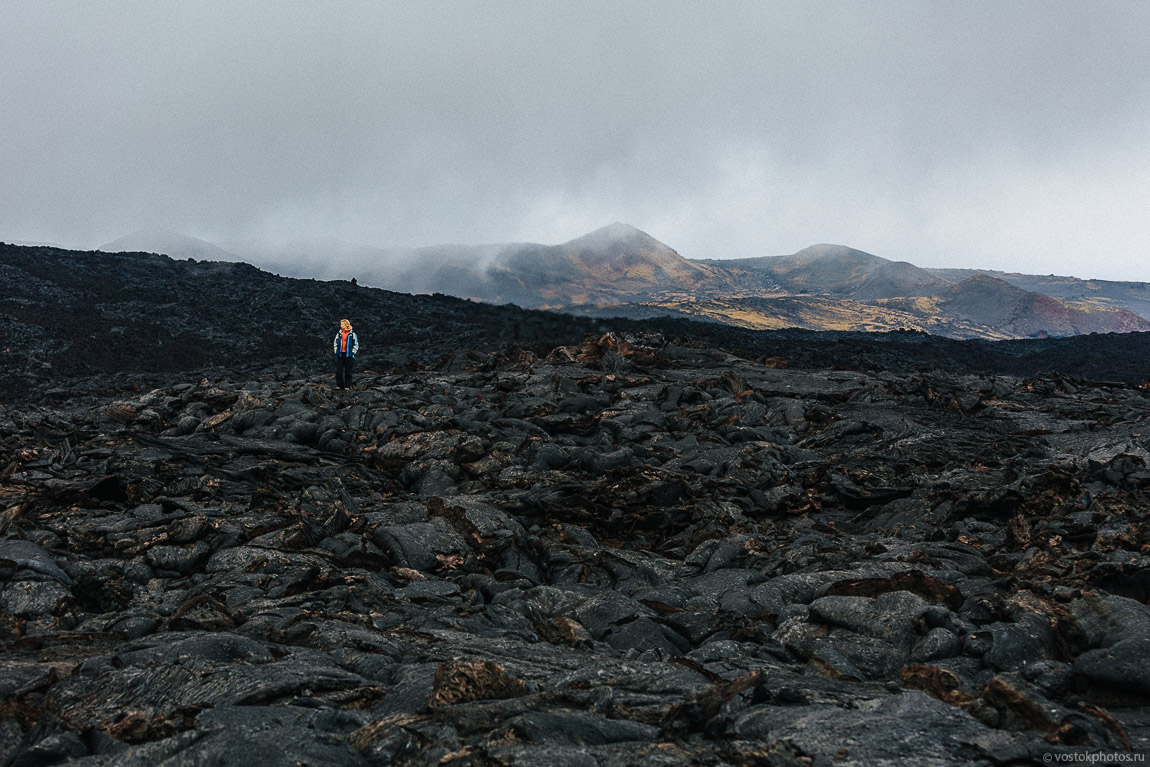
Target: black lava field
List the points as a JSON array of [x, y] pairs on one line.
[[529, 539]]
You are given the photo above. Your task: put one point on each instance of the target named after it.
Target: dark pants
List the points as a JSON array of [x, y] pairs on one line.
[[343, 366]]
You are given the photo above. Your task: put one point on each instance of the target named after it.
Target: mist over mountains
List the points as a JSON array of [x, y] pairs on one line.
[[169, 243], [619, 270]]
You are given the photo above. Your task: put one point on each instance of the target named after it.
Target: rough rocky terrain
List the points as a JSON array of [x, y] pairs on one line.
[[72, 318], [74, 321], [628, 551]]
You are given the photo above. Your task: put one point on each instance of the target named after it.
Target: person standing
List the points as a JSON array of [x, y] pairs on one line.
[[346, 347]]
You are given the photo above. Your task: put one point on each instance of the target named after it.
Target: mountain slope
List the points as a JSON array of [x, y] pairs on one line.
[[839, 270], [840, 288], [822, 269], [1022, 313], [976, 308], [606, 265], [1134, 296], [611, 265], [811, 312], [898, 279], [621, 269], [168, 243], [622, 251]]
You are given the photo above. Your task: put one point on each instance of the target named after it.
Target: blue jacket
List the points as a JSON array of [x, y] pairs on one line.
[[352, 345]]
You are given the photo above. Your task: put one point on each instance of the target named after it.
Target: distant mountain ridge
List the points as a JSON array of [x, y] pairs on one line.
[[1134, 296], [622, 270], [169, 243], [839, 270]]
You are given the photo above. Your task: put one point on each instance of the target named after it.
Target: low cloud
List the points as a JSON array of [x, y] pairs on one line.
[[958, 134]]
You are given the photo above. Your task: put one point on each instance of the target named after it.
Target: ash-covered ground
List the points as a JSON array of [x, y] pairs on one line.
[[626, 552]]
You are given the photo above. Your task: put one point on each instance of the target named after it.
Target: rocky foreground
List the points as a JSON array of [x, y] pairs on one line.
[[625, 553]]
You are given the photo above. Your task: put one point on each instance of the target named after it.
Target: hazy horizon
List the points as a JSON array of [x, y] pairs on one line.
[[952, 134], [321, 258]]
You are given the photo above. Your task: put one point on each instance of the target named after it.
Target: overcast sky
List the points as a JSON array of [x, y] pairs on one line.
[[999, 134]]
